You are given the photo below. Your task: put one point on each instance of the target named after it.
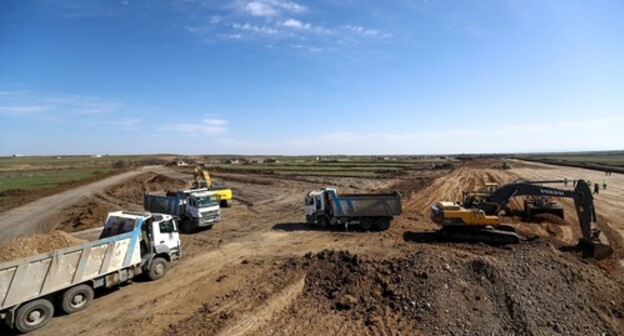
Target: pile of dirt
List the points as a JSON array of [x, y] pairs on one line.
[[36, 244], [133, 190], [531, 289]]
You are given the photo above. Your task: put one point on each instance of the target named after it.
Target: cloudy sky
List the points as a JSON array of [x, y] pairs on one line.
[[310, 77]]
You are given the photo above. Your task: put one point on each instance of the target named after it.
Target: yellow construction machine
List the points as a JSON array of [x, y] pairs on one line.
[[225, 193], [477, 217]]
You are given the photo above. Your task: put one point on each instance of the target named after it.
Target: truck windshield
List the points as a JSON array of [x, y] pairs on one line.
[[205, 201], [117, 225]]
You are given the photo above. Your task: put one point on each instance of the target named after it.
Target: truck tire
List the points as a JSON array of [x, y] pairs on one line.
[[76, 298], [224, 204], [186, 226], [322, 221], [33, 315], [382, 224], [158, 268], [367, 224]]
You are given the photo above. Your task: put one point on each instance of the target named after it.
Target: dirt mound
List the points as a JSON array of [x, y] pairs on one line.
[[132, 191], [533, 289], [36, 244]]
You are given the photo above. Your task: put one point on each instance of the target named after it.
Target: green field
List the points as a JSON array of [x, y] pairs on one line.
[[612, 158], [33, 180]]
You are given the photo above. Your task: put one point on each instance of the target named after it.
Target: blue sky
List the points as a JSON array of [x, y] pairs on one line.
[[310, 77]]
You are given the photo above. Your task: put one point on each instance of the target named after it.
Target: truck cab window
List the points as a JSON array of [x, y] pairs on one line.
[[166, 226]]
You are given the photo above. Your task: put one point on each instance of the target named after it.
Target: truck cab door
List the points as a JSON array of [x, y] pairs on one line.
[[166, 233]]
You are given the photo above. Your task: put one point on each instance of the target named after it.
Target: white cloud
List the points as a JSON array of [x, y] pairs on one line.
[[266, 30], [23, 109], [268, 8], [363, 31], [208, 126], [292, 23], [26, 102], [258, 8], [215, 19], [606, 134]]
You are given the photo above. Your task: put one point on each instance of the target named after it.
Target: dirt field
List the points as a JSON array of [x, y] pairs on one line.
[[262, 271]]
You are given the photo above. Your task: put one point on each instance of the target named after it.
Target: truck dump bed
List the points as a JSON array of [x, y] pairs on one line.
[[163, 204], [366, 205], [28, 278]]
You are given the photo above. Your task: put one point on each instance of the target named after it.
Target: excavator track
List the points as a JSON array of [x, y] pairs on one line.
[[483, 234]]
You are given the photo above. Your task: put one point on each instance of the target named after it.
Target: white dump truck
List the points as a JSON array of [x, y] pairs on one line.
[[131, 243], [372, 211], [197, 208]]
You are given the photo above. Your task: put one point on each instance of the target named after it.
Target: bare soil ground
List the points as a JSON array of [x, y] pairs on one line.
[[262, 271]]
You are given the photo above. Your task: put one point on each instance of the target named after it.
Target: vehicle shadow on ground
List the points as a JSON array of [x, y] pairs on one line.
[[5, 330], [290, 227], [422, 237], [433, 237]]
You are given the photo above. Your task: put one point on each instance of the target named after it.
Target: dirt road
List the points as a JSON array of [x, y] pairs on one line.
[[261, 271], [45, 214]]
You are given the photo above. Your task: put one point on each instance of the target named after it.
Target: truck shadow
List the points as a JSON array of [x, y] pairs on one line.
[[290, 227]]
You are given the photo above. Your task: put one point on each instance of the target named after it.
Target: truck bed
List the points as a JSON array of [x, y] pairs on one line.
[[367, 205], [28, 278]]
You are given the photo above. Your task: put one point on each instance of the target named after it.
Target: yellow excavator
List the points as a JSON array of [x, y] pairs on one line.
[[225, 193], [476, 218]]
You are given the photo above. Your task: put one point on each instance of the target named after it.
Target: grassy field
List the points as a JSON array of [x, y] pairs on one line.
[[611, 158], [33, 180]]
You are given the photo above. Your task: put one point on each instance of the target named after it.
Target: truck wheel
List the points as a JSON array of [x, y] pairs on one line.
[[322, 221], [76, 298], [186, 226], [33, 315], [382, 224], [366, 224], [158, 268], [224, 204]]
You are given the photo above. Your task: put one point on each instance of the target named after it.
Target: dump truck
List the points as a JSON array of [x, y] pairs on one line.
[[194, 209], [130, 244], [372, 211]]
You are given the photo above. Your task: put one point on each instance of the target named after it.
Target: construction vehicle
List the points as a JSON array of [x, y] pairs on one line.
[[194, 209], [225, 193], [503, 166], [372, 211], [131, 243], [480, 219]]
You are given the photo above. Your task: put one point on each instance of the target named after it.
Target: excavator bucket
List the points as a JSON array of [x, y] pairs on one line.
[[595, 250]]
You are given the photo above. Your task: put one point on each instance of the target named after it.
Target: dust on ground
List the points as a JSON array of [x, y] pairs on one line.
[[28, 246]]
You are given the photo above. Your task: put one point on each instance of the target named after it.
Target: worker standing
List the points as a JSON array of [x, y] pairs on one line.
[[565, 181], [604, 184], [596, 188]]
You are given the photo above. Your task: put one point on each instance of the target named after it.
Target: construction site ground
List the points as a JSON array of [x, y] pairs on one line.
[[263, 271]]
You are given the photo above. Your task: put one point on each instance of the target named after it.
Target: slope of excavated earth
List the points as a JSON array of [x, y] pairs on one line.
[[531, 289], [91, 212]]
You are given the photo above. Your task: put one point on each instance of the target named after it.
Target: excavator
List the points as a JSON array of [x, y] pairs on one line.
[[225, 193], [478, 217]]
